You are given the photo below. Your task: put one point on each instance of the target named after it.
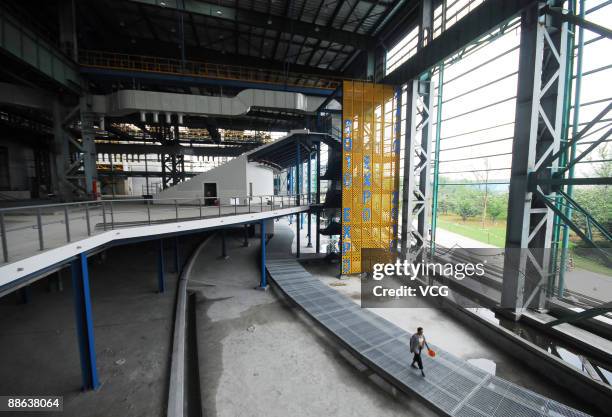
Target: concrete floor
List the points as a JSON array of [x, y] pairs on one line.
[[260, 357], [132, 328], [257, 355]]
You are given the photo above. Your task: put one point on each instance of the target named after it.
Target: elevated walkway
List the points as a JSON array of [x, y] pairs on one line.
[[37, 240], [452, 386]]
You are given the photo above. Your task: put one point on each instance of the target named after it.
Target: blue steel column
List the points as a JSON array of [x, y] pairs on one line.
[[161, 278], [84, 322], [308, 190], [298, 165], [263, 282], [318, 225], [298, 177]]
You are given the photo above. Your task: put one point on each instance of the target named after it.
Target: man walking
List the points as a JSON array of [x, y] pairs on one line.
[[417, 342]]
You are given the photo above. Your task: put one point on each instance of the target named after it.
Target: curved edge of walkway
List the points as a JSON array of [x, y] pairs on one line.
[[31, 268], [176, 387]]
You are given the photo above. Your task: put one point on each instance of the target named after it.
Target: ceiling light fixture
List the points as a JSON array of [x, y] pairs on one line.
[[219, 12]]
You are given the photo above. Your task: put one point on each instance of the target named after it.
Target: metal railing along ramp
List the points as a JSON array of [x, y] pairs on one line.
[[36, 239], [452, 386]]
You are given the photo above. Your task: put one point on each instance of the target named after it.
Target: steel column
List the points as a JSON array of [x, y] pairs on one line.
[[88, 146], [537, 134], [417, 157], [84, 321]]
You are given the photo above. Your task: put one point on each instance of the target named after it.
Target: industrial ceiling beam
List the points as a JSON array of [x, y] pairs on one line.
[[265, 21], [483, 19]]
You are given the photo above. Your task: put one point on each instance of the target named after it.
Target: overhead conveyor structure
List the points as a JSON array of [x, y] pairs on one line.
[[126, 102]]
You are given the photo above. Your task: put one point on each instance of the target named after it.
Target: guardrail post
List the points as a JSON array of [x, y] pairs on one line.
[[261, 203], [87, 219], [236, 205], [219, 200], [112, 216], [4, 240], [149, 211], [161, 278], [176, 209], [200, 207], [66, 220], [40, 231], [84, 321]]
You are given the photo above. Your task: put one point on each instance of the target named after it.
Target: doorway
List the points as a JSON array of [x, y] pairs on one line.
[[210, 193]]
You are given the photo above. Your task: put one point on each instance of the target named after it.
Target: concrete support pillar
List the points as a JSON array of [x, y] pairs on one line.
[[263, 283], [84, 322], [161, 276]]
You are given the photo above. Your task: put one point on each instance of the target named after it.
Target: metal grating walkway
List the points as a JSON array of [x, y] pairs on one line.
[[452, 385]]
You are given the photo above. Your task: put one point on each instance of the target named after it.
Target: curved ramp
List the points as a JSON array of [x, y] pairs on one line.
[[452, 386]]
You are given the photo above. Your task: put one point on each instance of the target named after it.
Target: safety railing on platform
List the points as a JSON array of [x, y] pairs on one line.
[[112, 60], [27, 230]]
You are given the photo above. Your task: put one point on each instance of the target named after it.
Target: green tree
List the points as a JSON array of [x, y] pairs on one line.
[[467, 206], [498, 206]]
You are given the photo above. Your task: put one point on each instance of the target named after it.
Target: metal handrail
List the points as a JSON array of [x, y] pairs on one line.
[[80, 219], [114, 60]]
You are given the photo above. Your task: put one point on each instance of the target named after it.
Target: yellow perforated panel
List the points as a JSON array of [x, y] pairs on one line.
[[370, 144]]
